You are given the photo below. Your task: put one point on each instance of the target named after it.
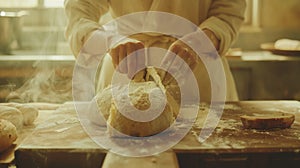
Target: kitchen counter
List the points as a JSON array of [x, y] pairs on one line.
[[249, 56], [18, 58], [262, 75], [58, 140]]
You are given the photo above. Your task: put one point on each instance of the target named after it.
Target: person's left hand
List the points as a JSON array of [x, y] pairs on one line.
[[178, 59], [181, 58]]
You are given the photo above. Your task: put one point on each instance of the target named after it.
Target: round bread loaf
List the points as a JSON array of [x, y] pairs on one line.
[[8, 134], [268, 120]]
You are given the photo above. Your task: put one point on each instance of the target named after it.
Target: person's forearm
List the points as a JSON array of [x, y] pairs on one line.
[[225, 19], [213, 38], [83, 17]]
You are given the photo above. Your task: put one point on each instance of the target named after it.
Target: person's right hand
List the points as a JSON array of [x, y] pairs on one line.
[[134, 54]]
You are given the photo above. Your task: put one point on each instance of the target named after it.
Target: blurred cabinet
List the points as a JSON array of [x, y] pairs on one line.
[[267, 79], [243, 78], [257, 77]]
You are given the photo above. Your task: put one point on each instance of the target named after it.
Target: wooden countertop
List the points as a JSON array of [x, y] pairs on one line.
[[57, 134], [231, 137]]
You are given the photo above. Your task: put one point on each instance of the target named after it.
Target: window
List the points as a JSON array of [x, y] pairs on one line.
[[31, 3], [39, 32], [252, 19], [18, 3], [53, 3]]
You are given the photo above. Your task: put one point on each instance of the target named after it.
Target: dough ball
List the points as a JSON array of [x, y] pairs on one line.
[[13, 115], [145, 95], [29, 113], [139, 98], [8, 134]]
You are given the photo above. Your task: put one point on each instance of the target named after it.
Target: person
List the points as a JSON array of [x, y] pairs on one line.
[[220, 20]]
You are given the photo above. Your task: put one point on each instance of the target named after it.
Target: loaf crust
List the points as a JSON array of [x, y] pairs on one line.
[[271, 121], [8, 134]]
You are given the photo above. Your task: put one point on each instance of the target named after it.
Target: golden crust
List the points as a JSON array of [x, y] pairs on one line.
[[8, 134], [282, 120]]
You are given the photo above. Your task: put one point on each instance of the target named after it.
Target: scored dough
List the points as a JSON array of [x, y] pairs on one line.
[[139, 96], [139, 91]]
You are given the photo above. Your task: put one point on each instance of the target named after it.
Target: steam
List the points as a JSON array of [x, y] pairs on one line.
[[50, 83], [47, 85]]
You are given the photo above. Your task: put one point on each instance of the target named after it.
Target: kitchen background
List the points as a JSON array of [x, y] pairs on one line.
[[39, 42]]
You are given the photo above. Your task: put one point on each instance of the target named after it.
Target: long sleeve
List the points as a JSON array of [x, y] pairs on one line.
[[83, 17], [224, 20]]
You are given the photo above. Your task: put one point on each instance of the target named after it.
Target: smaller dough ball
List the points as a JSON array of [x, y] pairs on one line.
[[13, 115], [29, 113], [8, 134]]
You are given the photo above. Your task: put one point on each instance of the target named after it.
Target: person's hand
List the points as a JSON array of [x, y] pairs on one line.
[[181, 58], [128, 57], [180, 53], [178, 60]]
